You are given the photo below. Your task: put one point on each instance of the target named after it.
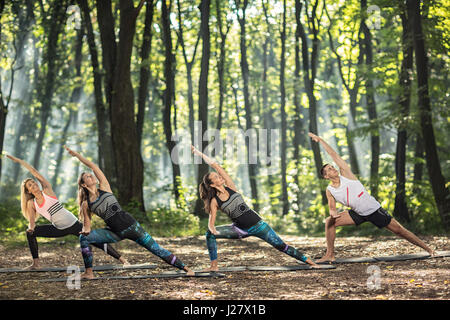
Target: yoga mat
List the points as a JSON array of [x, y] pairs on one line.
[[146, 276], [95, 268], [401, 257]]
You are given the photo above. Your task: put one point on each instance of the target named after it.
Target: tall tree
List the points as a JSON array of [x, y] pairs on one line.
[[299, 126], [241, 7], [169, 75], [221, 59], [309, 64], [120, 96], [400, 208], [284, 191], [144, 71], [371, 103], [130, 169], [105, 153], [440, 191], [189, 65], [53, 26], [203, 94]]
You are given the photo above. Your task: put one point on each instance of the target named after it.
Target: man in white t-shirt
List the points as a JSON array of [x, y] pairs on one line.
[[346, 189]]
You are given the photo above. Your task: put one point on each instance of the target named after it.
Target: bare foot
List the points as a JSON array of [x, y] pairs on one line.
[[34, 266], [326, 259], [432, 253], [124, 261], [88, 275], [211, 269]]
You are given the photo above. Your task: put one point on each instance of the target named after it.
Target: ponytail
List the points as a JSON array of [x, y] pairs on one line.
[[206, 192], [83, 195]]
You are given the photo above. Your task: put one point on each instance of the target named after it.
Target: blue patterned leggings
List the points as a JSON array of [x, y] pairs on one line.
[[261, 230], [136, 233]]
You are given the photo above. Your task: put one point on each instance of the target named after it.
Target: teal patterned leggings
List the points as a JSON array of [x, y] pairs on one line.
[[261, 230], [136, 233]]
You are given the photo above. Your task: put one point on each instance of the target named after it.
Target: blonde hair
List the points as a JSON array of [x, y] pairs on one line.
[[25, 196]]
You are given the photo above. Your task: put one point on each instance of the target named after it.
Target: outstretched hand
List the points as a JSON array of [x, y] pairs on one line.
[[314, 137], [13, 158], [71, 152], [195, 151]]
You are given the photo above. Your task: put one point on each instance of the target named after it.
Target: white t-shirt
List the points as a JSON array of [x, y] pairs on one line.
[[351, 193]]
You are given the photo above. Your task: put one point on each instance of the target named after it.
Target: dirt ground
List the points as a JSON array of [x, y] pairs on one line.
[[417, 279]]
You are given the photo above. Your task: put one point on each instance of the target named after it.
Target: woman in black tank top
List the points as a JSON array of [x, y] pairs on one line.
[[218, 191], [120, 224]]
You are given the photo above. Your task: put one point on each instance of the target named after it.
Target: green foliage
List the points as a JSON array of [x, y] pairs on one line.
[[171, 222], [12, 223]]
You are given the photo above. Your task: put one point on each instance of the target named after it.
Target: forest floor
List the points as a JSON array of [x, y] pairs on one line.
[[414, 279]]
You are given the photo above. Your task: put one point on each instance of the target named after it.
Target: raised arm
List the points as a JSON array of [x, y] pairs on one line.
[[104, 184], [213, 164], [46, 186], [343, 166]]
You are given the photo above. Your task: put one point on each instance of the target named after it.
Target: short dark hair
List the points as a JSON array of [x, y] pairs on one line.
[[322, 169]]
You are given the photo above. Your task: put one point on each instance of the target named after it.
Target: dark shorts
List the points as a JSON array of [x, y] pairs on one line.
[[380, 218]]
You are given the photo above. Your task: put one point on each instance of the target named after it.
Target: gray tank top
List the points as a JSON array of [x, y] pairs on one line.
[[238, 211], [108, 208]]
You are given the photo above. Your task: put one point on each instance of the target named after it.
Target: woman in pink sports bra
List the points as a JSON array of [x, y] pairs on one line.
[[35, 202], [346, 189]]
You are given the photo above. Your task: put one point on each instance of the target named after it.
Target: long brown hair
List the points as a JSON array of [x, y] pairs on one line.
[[207, 192], [25, 196], [83, 195]]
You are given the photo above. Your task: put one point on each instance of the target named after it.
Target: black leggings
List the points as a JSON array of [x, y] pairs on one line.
[[50, 231]]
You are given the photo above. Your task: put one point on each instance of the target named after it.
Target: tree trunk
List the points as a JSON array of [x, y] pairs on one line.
[[203, 97], [130, 170], [105, 153], [284, 191], [189, 65], [57, 21], [169, 94], [145, 69], [221, 63], [309, 76], [300, 133], [440, 191], [371, 104], [400, 208], [252, 168]]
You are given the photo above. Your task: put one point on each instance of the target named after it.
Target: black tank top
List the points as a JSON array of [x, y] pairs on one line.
[[238, 211]]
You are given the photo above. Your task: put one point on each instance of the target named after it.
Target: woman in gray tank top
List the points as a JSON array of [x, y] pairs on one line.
[[218, 191]]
